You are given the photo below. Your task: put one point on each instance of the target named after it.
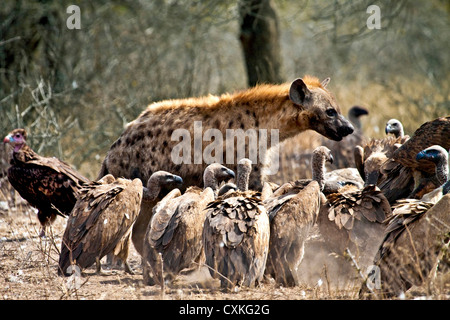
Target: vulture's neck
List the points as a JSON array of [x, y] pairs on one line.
[[23, 153], [318, 170], [242, 180], [442, 171], [210, 181]]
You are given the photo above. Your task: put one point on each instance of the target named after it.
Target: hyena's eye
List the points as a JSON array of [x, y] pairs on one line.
[[331, 112]]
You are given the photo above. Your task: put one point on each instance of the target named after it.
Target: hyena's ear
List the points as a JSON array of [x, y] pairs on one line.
[[325, 82], [299, 92]]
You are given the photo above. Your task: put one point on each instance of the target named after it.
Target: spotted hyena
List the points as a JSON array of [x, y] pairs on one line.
[[149, 142]]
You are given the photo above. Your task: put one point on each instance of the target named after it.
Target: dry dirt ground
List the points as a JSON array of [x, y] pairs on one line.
[[28, 271]]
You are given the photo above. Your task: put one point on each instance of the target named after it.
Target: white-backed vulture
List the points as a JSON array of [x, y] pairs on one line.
[[394, 127], [48, 184], [353, 219], [342, 177], [414, 240], [176, 227], [236, 234], [293, 210], [160, 184], [103, 214]]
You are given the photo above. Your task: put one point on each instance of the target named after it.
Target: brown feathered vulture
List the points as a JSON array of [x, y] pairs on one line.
[[414, 241], [236, 234], [175, 234], [48, 184], [159, 185], [372, 156], [405, 176], [103, 216], [292, 210], [104, 213]]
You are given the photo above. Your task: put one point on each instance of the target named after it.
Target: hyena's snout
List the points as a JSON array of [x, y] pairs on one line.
[[345, 128]]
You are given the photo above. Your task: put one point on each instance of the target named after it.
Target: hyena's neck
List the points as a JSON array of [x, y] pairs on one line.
[[272, 113]]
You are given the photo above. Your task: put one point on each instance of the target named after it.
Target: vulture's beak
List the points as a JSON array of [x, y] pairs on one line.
[[8, 139]]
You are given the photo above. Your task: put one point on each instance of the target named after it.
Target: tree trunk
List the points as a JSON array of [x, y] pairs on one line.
[[259, 37]]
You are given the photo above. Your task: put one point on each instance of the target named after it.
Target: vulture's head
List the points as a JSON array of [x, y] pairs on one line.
[[439, 156], [357, 111], [321, 155], [109, 178], [435, 153], [372, 167], [215, 173], [160, 183], [394, 127], [16, 138]]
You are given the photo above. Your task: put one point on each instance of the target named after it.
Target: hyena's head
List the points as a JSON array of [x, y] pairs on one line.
[[320, 108]]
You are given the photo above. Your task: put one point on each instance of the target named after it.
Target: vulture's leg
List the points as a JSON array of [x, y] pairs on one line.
[[128, 268]]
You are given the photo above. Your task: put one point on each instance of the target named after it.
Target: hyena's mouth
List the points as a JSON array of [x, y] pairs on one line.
[[339, 134], [333, 135]]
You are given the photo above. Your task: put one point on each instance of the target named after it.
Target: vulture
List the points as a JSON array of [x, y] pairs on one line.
[[176, 227], [160, 184], [341, 177], [394, 127], [343, 150], [403, 175], [355, 113], [353, 219], [102, 216], [440, 157], [292, 210], [236, 234], [372, 155], [415, 236], [48, 184]]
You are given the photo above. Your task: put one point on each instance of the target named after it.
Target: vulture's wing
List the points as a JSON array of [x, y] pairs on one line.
[[101, 217], [435, 132]]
